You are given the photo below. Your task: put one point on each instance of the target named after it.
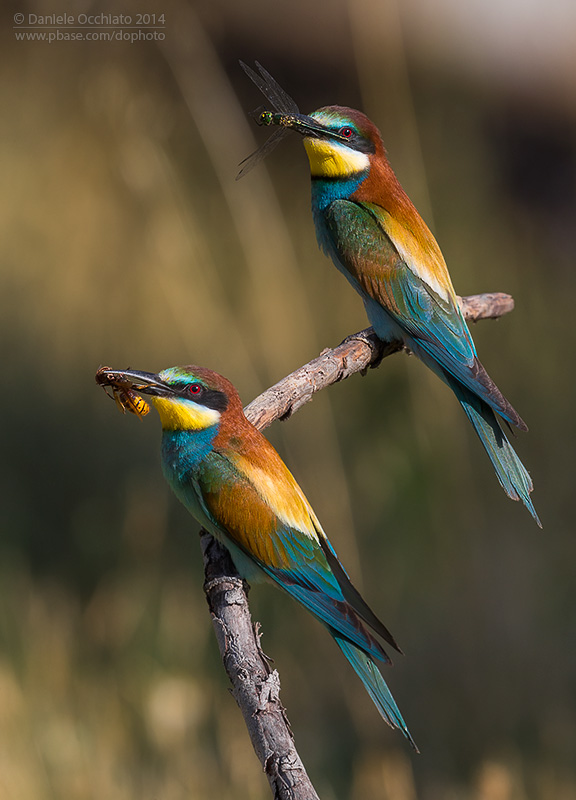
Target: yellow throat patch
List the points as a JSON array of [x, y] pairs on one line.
[[184, 415], [333, 160]]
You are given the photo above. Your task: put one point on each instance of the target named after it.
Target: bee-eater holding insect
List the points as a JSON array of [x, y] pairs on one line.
[[368, 226], [236, 485]]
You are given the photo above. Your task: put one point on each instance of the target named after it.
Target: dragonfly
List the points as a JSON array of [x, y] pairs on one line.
[[283, 105]]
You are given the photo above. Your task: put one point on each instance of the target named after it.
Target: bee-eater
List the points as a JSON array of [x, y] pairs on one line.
[[368, 226], [238, 488]]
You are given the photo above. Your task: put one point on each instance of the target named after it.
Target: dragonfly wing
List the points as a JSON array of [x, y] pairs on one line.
[[256, 157], [272, 91]]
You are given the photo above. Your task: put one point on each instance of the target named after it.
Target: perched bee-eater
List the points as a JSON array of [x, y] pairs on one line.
[[367, 225], [236, 485]]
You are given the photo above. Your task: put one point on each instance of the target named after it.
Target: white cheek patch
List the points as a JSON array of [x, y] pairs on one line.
[[330, 159]]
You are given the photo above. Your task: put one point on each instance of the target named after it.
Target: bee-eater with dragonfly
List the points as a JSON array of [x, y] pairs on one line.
[[368, 226], [238, 488]]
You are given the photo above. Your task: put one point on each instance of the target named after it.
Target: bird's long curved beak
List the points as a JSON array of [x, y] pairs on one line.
[[133, 379], [304, 125]]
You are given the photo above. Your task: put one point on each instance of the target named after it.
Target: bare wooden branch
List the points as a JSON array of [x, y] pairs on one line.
[[491, 305], [255, 686]]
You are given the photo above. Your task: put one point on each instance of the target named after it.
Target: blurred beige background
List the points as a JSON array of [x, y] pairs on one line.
[[125, 240]]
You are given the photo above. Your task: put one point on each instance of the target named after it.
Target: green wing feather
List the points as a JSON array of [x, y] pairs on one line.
[[408, 293]]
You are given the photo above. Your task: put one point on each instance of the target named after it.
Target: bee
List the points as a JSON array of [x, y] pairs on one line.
[[122, 393], [126, 400]]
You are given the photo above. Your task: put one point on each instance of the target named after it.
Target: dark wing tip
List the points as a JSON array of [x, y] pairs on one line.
[[355, 599]]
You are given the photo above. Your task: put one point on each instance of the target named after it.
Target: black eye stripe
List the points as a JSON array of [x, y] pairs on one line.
[[210, 398], [354, 140]]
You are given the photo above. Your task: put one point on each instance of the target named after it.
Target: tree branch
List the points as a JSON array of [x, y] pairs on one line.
[[254, 685]]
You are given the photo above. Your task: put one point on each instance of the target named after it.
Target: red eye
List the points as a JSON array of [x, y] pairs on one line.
[[346, 132], [194, 388]]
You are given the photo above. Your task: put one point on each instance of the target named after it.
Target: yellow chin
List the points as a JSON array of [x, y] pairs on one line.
[[334, 160], [184, 415]]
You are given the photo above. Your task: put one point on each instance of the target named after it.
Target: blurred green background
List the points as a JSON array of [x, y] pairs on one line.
[[125, 240]]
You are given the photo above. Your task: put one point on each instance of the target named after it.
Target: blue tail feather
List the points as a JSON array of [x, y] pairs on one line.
[[511, 473], [375, 685]]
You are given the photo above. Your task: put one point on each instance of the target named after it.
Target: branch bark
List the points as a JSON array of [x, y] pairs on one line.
[[254, 685]]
